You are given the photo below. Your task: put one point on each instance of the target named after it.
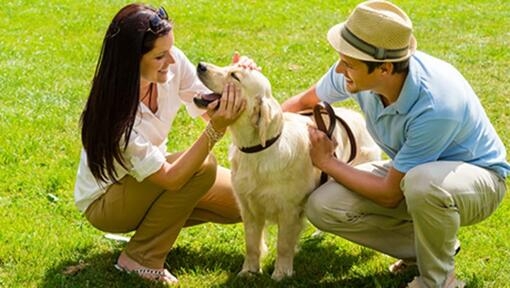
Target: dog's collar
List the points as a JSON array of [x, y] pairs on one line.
[[258, 148]]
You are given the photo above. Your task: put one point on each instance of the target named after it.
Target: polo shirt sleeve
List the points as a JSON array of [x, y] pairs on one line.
[[330, 88], [190, 84], [426, 140], [143, 157]]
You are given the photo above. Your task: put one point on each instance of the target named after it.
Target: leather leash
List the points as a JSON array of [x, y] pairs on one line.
[[320, 109], [324, 108]]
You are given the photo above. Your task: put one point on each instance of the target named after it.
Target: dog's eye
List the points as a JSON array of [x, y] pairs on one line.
[[233, 75]]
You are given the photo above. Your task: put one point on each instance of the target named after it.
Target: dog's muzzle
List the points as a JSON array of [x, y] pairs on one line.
[[203, 100]]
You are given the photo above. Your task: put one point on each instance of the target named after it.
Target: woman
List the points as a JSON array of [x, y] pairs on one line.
[[126, 180]]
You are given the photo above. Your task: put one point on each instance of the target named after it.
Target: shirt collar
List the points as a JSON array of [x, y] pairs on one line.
[[410, 90]]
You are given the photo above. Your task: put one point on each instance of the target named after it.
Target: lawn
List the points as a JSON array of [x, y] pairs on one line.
[[48, 53]]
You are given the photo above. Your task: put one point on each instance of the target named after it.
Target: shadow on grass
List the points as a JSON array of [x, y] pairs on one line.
[[317, 264], [322, 265], [97, 271]]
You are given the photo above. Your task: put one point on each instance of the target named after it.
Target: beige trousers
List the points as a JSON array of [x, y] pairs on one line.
[[439, 198], [158, 215]]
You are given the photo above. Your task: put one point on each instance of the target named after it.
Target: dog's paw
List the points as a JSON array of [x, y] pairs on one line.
[[279, 275], [249, 274]]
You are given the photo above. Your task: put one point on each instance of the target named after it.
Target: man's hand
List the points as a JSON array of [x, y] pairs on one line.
[[322, 149]]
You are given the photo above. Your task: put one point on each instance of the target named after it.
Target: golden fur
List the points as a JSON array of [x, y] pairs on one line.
[[273, 184]]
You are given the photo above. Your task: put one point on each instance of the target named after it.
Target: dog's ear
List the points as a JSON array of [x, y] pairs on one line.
[[261, 117]]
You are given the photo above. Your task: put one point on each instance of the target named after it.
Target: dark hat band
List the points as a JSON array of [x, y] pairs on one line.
[[376, 52]]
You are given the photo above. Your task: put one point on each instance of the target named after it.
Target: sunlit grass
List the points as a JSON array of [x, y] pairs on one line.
[[48, 53]]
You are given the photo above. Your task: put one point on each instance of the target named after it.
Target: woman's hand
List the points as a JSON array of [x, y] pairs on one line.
[[225, 111], [244, 62]]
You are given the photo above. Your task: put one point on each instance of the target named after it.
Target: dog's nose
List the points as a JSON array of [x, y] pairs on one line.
[[201, 67]]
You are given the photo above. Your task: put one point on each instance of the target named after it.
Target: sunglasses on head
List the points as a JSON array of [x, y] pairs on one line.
[[156, 20], [156, 23]]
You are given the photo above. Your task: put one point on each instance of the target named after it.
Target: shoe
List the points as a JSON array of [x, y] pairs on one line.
[[414, 284], [161, 275], [451, 282], [402, 266]]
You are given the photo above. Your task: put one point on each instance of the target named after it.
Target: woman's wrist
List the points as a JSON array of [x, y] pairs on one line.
[[213, 135]]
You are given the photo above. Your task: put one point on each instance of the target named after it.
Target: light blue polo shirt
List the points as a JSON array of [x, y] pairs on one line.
[[437, 117]]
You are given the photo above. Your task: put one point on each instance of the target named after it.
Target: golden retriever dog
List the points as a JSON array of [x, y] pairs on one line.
[[272, 173]]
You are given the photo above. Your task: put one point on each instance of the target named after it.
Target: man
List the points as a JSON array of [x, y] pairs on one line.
[[447, 166]]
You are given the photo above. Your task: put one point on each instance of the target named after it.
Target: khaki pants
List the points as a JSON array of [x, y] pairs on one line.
[[439, 198], [158, 215]]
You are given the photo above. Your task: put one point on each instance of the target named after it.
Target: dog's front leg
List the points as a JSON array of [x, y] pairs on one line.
[[289, 229], [253, 234]]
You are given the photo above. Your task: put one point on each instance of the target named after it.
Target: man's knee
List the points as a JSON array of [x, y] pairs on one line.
[[328, 214], [314, 209], [421, 189]]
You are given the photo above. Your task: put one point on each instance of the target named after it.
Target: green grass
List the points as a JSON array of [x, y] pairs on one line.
[[48, 52]]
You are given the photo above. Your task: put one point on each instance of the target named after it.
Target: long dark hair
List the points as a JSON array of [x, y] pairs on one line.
[[109, 114]]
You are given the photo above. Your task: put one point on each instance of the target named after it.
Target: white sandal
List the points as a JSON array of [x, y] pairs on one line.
[[163, 276]]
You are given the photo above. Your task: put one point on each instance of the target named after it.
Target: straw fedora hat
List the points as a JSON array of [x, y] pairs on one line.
[[376, 31]]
